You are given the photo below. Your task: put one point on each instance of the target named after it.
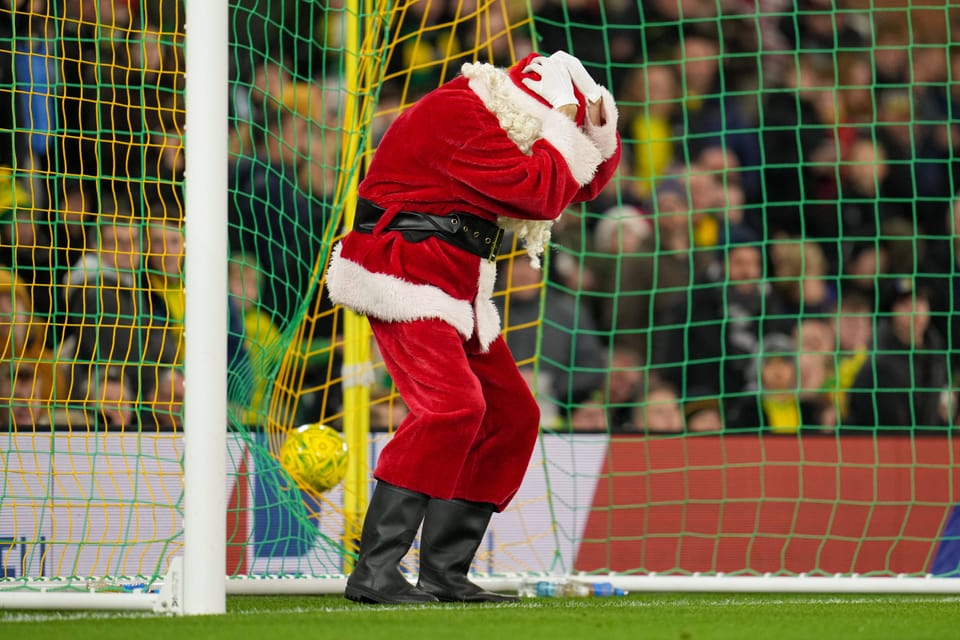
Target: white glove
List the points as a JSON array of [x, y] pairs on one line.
[[579, 75], [554, 84]]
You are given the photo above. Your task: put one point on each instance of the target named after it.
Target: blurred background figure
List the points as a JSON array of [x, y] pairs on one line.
[[571, 354], [33, 392], [709, 353], [20, 333], [112, 315], [109, 398], [816, 359], [163, 406], [262, 341], [775, 405], [800, 277], [659, 410], [854, 342], [903, 384], [625, 382]]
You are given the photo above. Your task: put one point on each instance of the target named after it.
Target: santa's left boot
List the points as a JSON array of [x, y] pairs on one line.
[[452, 532]]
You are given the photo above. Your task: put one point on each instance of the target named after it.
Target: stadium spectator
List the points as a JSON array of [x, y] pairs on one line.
[[35, 68], [658, 410], [854, 335], [855, 98], [163, 280], [163, 404], [711, 116], [58, 241], [165, 163], [642, 277], [817, 25], [35, 389], [862, 206], [816, 354], [317, 107], [109, 398], [708, 205], [160, 62], [590, 416], [33, 383], [891, 53], [112, 316], [905, 381], [164, 254], [625, 381], [873, 263], [915, 189], [654, 87], [618, 240], [256, 93], [20, 332], [708, 353], [801, 148], [800, 278], [570, 353], [272, 217], [775, 405], [100, 114], [724, 167], [704, 414], [263, 342], [945, 271]]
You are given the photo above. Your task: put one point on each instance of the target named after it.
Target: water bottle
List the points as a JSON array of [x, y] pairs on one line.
[[566, 588]]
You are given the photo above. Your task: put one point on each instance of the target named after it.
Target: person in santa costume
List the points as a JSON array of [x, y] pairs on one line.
[[492, 150]]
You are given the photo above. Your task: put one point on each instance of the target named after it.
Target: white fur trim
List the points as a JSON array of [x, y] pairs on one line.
[[389, 298], [605, 135], [577, 149], [534, 233], [488, 318], [525, 119]]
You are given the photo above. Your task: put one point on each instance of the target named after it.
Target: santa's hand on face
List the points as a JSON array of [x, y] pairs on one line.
[[553, 84], [584, 83], [579, 75]]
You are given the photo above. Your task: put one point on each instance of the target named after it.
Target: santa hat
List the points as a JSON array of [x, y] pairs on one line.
[[517, 75]]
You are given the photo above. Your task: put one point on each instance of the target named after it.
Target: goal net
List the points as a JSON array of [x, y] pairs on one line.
[[743, 349]]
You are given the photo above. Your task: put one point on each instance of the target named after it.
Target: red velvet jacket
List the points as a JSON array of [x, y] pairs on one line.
[[478, 144]]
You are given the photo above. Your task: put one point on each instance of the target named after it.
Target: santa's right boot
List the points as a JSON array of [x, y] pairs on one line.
[[389, 528]]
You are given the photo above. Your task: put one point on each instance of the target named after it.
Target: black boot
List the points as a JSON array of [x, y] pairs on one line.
[[452, 532], [391, 524]]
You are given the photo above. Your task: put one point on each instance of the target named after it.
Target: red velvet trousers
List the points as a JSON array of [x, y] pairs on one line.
[[473, 421]]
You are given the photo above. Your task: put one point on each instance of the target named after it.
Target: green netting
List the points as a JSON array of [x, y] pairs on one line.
[[743, 349]]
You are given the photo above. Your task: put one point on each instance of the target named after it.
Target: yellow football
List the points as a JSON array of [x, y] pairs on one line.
[[316, 456]]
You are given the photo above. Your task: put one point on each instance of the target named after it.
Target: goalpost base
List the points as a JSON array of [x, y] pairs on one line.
[[83, 594]]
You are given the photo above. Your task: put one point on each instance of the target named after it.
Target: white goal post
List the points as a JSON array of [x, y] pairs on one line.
[[194, 582]]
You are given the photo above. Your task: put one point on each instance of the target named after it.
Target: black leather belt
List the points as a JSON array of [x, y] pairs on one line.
[[464, 230]]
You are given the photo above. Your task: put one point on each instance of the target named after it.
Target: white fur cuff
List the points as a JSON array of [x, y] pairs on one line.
[[605, 136]]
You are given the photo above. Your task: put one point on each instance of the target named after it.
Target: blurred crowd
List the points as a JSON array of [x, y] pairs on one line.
[[92, 245], [777, 252]]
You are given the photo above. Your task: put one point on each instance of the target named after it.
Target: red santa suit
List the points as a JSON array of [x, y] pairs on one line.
[[485, 145]]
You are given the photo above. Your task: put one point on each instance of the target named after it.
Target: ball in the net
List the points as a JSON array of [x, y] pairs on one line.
[[316, 456]]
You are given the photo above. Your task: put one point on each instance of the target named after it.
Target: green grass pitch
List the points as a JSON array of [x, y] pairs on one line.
[[637, 617]]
